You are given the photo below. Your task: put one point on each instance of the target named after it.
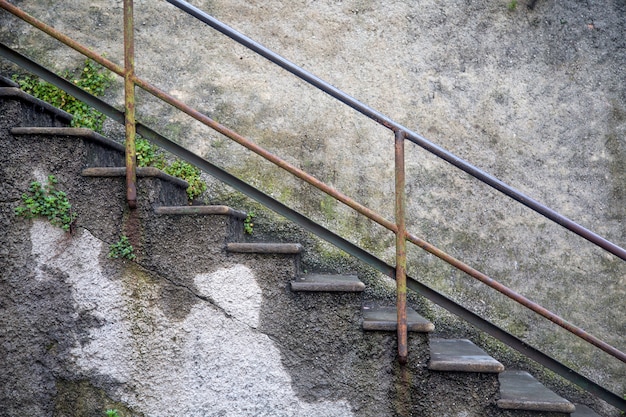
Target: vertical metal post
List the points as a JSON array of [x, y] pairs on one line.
[[401, 247], [129, 104]]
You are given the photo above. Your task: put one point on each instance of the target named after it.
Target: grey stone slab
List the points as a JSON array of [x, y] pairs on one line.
[[200, 211], [584, 411], [520, 391], [16, 93], [7, 82], [76, 132], [461, 355], [260, 247], [141, 172], [328, 282], [386, 319]]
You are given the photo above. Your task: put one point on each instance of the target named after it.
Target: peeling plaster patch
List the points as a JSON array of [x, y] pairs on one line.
[[208, 365], [77, 256], [235, 290]]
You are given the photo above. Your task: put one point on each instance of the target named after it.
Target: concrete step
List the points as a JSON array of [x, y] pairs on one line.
[[386, 319], [520, 391], [141, 172], [32, 111], [199, 211], [328, 283], [109, 153], [261, 247], [584, 411], [461, 355], [7, 82]]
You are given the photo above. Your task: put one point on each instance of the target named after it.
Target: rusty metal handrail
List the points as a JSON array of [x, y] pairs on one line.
[[398, 227], [129, 105]]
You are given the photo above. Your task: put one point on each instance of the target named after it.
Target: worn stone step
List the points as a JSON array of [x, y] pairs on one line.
[[520, 391], [261, 247], [35, 112], [141, 172], [386, 319], [199, 211], [461, 355], [328, 283], [7, 82]]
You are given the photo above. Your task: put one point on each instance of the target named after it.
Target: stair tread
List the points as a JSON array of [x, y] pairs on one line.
[[520, 391], [16, 93], [263, 247], [461, 355], [584, 411], [141, 172], [386, 319], [77, 132], [327, 282], [199, 210], [7, 82]]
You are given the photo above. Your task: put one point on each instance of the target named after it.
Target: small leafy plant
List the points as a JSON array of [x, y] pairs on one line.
[[112, 413], [92, 78], [47, 201], [248, 225], [122, 249], [189, 173], [148, 155], [512, 5]]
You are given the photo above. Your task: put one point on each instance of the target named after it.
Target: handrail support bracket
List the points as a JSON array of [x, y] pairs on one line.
[[129, 105], [401, 236]]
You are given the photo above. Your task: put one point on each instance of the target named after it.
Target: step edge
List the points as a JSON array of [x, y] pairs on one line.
[[268, 248], [559, 407], [200, 211], [392, 326], [14, 92], [8, 82], [77, 132], [141, 172], [487, 367], [328, 287]]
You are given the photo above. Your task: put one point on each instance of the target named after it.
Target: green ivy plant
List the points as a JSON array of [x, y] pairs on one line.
[[92, 78], [122, 249], [248, 225], [47, 201], [112, 413], [189, 173], [148, 154]]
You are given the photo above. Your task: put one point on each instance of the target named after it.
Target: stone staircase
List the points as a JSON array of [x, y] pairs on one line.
[[445, 377]]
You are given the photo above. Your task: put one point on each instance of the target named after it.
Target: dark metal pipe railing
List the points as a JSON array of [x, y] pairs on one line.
[[390, 124]]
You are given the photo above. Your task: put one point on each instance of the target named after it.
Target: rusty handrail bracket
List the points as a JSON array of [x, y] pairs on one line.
[[401, 247], [129, 105]]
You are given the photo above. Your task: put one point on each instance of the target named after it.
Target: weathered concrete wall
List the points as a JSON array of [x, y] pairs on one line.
[[187, 329], [82, 333], [535, 97]]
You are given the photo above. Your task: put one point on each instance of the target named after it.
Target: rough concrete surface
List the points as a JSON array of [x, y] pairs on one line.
[[534, 96]]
